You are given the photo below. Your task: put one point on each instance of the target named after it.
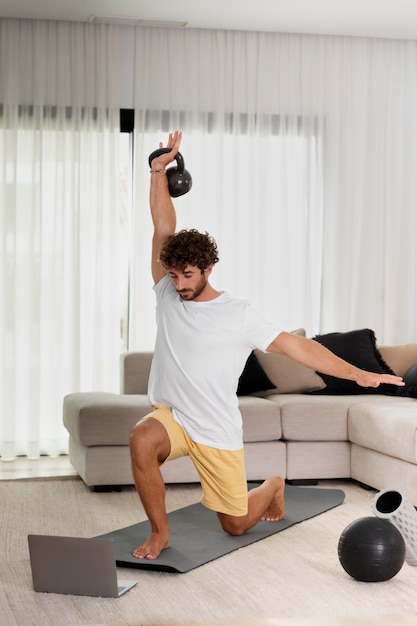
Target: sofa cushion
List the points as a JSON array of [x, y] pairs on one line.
[[261, 419], [103, 419], [410, 379], [386, 425], [134, 372], [400, 357], [357, 347], [287, 375], [106, 419], [314, 418], [253, 378]]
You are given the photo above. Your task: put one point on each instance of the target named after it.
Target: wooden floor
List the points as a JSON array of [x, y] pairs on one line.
[[44, 467]]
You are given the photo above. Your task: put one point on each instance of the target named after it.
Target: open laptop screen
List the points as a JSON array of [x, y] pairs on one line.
[[75, 565]]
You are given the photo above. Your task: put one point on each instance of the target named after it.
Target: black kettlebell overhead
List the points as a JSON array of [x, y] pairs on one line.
[[179, 179]]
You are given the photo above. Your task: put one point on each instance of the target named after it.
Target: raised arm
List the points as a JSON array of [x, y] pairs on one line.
[[314, 355], [162, 208]]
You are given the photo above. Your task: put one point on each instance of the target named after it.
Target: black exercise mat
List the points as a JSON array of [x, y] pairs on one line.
[[197, 537]]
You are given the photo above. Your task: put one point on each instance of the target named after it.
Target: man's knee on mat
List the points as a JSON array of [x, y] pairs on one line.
[[235, 526]]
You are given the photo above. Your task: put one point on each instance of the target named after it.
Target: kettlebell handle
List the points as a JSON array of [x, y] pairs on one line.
[[178, 158], [179, 179]]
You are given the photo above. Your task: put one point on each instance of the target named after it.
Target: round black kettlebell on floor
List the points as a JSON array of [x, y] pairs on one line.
[[179, 179]]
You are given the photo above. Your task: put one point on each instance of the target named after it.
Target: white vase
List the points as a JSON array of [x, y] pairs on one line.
[[393, 505]]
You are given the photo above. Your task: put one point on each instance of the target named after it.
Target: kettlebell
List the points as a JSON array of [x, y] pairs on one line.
[[179, 179]]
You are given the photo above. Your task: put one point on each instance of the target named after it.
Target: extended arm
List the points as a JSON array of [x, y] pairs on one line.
[[162, 208], [312, 354]]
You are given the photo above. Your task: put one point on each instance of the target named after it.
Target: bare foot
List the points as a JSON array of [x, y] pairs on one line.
[[276, 509], [152, 547]]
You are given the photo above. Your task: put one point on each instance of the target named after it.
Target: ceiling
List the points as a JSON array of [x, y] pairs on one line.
[[395, 19]]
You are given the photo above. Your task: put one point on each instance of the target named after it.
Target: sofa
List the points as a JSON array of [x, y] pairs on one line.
[[297, 423]]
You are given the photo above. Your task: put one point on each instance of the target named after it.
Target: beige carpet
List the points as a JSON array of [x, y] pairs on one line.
[[294, 574]]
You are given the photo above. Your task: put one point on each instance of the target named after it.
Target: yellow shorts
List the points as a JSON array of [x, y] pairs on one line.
[[222, 472]]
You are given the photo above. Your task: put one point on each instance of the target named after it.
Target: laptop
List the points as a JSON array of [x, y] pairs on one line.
[[75, 565]]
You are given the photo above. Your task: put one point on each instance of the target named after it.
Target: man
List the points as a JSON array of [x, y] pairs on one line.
[[204, 338]]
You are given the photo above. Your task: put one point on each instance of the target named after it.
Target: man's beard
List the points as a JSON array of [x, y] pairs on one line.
[[192, 294]]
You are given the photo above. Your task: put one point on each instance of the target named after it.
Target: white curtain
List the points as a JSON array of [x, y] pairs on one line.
[[60, 232], [303, 155]]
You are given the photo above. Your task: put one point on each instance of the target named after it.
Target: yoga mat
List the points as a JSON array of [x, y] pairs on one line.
[[197, 537]]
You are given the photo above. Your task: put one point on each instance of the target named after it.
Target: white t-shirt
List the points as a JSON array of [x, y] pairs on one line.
[[201, 349]]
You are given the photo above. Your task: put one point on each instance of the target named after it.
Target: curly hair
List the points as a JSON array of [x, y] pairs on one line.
[[189, 247]]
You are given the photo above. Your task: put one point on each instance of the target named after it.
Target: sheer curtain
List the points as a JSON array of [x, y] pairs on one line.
[[60, 232], [303, 155]]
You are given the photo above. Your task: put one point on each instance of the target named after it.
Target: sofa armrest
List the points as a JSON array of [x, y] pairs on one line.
[[400, 357], [134, 372]]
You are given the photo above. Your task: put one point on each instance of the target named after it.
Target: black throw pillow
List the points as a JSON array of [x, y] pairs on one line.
[[357, 347], [410, 379], [253, 378]]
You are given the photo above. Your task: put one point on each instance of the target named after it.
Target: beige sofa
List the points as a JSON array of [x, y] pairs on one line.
[[288, 430]]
